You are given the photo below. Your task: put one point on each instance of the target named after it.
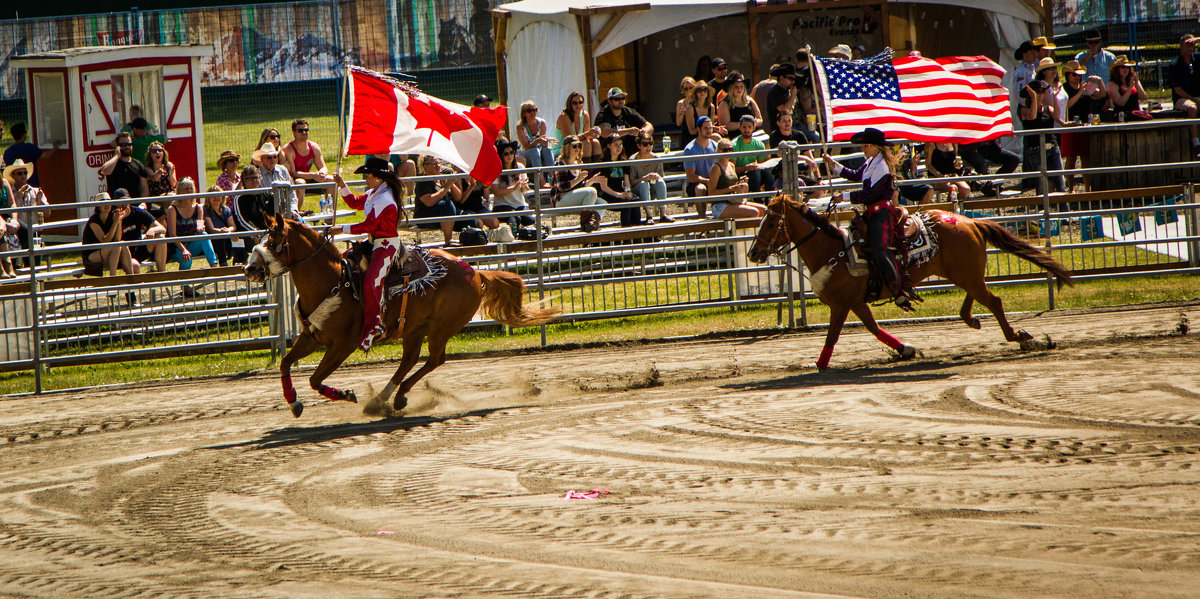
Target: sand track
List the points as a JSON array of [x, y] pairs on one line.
[[976, 470]]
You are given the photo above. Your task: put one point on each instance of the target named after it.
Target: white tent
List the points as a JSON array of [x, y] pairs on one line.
[[546, 48]]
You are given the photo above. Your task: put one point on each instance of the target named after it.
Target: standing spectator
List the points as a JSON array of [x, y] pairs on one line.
[[229, 178], [269, 135], [1043, 47], [123, 171], [135, 112], [436, 198], [162, 179], [9, 225], [747, 166], [805, 104], [723, 180], [699, 104], [647, 179], [736, 104], [139, 130], [759, 93], [508, 190], [272, 172], [1035, 113], [185, 219], [105, 226], [782, 96], [140, 224], [857, 52], [218, 219], [1084, 98], [697, 169], [720, 81], [841, 51], [18, 175], [1027, 57], [303, 159], [615, 187], [1125, 91], [685, 89], [1184, 79], [21, 149], [703, 68], [251, 208], [576, 120], [1095, 59], [1047, 70], [573, 187], [622, 120], [481, 101], [531, 133], [941, 161]]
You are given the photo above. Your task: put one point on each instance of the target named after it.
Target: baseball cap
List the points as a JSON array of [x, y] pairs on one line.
[[615, 92], [700, 121]]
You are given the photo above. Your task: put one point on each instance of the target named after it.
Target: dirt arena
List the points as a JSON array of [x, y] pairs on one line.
[[733, 470]]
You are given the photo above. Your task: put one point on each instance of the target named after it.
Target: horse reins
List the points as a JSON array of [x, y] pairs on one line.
[[284, 246], [788, 244]]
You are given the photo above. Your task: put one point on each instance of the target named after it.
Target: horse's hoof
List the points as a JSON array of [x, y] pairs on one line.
[[400, 403], [297, 408], [1024, 336], [348, 395], [907, 351], [974, 323]]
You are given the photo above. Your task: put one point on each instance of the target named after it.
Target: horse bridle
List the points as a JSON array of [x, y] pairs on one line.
[[781, 229], [283, 247]]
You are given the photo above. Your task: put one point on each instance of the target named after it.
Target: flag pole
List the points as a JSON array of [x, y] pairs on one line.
[[814, 61], [342, 146]]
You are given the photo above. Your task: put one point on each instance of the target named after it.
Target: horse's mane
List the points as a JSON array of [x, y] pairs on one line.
[[314, 236], [817, 221]]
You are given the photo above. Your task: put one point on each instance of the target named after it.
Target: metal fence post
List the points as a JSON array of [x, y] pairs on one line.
[[36, 313], [541, 273], [1192, 228], [284, 294], [1045, 179], [789, 154]]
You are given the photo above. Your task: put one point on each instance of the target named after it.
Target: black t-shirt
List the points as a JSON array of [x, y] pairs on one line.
[[776, 96], [615, 179], [628, 117], [1181, 74], [472, 201], [1084, 107], [136, 224], [89, 232], [776, 137], [128, 176], [251, 210], [718, 87]]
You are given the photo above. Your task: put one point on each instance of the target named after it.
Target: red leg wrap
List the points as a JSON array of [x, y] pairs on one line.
[[289, 392], [330, 392], [826, 353], [889, 340]]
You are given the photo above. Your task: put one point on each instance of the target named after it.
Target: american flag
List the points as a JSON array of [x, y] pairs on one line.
[[957, 99]]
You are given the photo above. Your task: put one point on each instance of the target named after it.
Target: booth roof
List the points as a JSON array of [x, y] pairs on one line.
[[83, 55]]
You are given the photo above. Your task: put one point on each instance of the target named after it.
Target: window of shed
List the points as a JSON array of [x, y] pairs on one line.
[[50, 91]]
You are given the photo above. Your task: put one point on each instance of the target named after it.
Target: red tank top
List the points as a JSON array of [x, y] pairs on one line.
[[302, 162]]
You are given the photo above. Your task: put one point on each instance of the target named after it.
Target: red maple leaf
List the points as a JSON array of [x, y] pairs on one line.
[[432, 115]]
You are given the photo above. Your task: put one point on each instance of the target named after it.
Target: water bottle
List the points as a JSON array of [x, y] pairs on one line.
[[1120, 117]]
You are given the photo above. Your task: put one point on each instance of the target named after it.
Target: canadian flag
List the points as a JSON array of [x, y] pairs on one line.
[[387, 117]]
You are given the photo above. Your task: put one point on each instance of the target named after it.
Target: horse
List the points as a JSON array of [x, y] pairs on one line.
[[333, 318], [961, 259]]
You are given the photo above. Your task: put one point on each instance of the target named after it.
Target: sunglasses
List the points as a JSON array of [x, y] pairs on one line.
[[156, 151], [722, 68], [645, 143], [507, 153], [724, 149], [125, 144], [1093, 42], [577, 145], [300, 131], [273, 136]]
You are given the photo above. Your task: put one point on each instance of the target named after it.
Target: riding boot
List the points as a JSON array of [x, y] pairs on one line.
[[886, 263]]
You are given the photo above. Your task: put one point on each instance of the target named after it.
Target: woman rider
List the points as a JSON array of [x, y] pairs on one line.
[[382, 212], [879, 187]]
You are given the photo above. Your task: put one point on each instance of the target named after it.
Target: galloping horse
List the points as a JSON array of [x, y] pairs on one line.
[[333, 319], [961, 259]]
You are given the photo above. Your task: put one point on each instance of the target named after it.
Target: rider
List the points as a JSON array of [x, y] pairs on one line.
[[382, 212], [879, 187]]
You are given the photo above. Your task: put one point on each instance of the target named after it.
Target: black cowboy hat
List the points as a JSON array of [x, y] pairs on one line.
[[373, 165], [1023, 48], [502, 143], [786, 68], [872, 136]]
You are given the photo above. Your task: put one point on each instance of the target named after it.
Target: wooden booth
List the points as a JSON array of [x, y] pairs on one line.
[[1131, 144], [80, 98]]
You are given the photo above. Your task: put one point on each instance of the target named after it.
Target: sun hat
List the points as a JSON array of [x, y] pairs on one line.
[[786, 68], [17, 165], [1045, 63], [872, 136], [1073, 66], [615, 92], [374, 166], [1040, 42], [226, 156], [842, 50], [1121, 61], [267, 149]]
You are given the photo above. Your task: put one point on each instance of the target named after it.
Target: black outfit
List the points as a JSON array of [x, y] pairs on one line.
[[133, 227], [978, 154], [718, 86], [128, 176], [251, 210], [1032, 160], [777, 138], [1182, 74], [1084, 107], [89, 235], [615, 178], [628, 117], [776, 96]]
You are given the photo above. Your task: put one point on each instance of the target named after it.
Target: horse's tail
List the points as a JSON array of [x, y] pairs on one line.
[[1000, 237], [503, 300]]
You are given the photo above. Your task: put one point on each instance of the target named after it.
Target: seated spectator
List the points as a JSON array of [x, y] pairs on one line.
[[436, 198], [910, 192], [747, 166], [647, 179], [304, 161], [723, 181], [622, 120], [615, 187], [269, 135], [105, 226], [699, 104], [736, 104], [482, 101], [250, 209], [123, 171], [784, 131], [1125, 92], [218, 219], [685, 89], [230, 178], [473, 199], [941, 161], [978, 154], [573, 187], [272, 172], [140, 224], [531, 133], [185, 225], [9, 225], [18, 175], [576, 120], [1035, 114], [805, 105], [508, 190], [697, 170], [1183, 77], [162, 179]]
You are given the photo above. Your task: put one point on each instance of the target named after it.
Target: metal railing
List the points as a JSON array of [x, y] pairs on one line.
[[52, 320]]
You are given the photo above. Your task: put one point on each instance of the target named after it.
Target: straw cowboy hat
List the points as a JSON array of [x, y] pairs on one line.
[[1073, 66], [17, 165], [1045, 63], [1041, 43], [226, 156], [1121, 61], [267, 149]]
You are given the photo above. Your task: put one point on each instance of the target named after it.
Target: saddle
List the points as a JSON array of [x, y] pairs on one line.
[[409, 267], [914, 245]]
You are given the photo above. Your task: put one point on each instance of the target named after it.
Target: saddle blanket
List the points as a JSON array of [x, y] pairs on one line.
[[423, 267]]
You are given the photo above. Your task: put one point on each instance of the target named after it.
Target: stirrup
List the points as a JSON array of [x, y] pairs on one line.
[[903, 303]]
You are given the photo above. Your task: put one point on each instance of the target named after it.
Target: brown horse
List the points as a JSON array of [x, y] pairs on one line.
[[333, 319], [961, 259]]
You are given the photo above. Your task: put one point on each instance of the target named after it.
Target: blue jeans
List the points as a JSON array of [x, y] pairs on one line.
[[646, 190], [195, 246], [538, 156]]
